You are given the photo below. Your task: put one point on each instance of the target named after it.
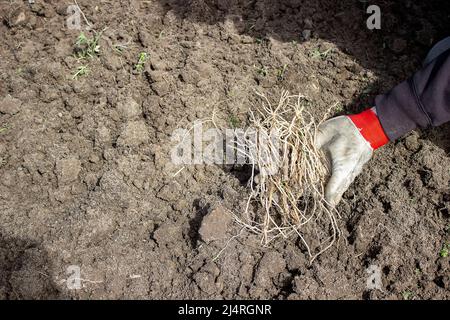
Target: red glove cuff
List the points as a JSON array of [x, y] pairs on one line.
[[370, 128]]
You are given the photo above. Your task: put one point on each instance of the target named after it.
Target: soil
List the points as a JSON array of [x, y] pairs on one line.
[[87, 181]]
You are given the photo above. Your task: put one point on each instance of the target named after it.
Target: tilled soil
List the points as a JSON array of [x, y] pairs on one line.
[[86, 174]]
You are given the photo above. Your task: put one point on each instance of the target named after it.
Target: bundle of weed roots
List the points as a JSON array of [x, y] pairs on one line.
[[288, 177]]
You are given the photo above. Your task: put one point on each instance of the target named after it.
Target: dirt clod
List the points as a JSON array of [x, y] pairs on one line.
[[68, 170], [270, 266], [215, 224], [10, 105], [167, 233], [134, 134], [128, 108]]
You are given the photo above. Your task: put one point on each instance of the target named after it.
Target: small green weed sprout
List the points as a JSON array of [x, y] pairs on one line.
[[81, 71], [234, 121], [282, 72], [407, 295], [317, 53], [263, 71], [87, 47], [143, 56], [445, 250]]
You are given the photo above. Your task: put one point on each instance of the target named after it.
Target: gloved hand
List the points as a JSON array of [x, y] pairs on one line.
[[349, 141]]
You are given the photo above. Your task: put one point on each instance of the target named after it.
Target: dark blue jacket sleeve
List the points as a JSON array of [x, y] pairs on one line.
[[421, 101]]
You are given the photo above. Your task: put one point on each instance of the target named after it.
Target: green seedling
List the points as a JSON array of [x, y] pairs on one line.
[[81, 71], [263, 71], [234, 122], [87, 47], [3, 129], [143, 56], [444, 251], [339, 107], [317, 53], [407, 295], [281, 72]]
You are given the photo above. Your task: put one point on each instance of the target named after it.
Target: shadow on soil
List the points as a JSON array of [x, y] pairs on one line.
[[408, 29], [25, 270]]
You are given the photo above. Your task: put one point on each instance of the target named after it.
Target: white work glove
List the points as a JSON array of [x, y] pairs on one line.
[[349, 142]]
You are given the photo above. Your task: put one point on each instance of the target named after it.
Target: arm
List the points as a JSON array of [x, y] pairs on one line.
[[421, 101]]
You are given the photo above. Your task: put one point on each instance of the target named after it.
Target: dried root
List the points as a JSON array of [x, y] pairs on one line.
[[288, 177]]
